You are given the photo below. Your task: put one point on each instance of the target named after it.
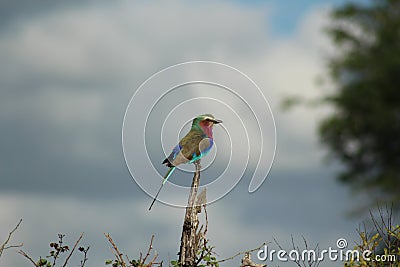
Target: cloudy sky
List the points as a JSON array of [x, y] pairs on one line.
[[68, 71]]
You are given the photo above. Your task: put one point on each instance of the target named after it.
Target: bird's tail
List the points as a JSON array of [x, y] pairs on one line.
[[166, 176]]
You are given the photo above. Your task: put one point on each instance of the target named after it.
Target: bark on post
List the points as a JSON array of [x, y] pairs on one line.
[[187, 253]]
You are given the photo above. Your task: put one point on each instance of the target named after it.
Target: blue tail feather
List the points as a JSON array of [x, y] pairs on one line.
[[166, 176]]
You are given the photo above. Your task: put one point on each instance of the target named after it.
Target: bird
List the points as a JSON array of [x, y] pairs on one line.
[[192, 147]]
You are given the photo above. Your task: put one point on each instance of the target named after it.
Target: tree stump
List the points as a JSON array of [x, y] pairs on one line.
[[188, 249]]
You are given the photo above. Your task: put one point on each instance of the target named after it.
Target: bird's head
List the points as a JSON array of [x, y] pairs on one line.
[[205, 123]]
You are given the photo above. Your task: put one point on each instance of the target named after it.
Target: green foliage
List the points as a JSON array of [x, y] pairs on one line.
[[384, 244], [43, 262], [131, 263], [122, 260], [379, 257], [174, 263], [59, 250], [205, 256], [364, 130]]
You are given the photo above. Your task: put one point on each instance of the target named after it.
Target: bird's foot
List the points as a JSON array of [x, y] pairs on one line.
[[197, 164]]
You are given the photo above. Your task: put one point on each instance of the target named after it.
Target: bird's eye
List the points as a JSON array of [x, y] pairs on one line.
[[208, 119]]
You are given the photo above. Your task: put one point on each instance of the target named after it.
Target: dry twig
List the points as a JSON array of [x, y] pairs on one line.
[[141, 262], [4, 246], [148, 251], [116, 251], [72, 251], [243, 252], [247, 262], [27, 256]]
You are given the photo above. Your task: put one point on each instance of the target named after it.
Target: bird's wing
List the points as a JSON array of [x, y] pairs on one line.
[[189, 148], [168, 161]]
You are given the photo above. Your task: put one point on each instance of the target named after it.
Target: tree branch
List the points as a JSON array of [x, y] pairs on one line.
[[149, 250], [244, 252], [4, 246], [28, 257], [117, 253], [72, 251]]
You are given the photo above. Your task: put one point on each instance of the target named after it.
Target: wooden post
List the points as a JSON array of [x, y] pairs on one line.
[[187, 254]]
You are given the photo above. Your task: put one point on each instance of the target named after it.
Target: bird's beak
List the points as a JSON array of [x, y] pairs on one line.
[[215, 121]]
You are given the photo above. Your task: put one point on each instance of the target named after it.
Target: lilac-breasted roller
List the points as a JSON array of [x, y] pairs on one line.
[[195, 145]]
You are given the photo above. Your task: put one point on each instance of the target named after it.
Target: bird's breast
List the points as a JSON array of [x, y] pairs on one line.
[[208, 131], [206, 145]]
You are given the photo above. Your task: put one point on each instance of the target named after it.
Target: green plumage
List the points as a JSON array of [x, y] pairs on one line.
[[193, 147]]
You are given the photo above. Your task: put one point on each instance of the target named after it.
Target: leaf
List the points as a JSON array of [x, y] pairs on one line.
[[41, 262]]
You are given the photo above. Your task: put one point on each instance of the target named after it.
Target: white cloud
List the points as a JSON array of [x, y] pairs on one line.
[[290, 67], [81, 65], [83, 61], [113, 42], [77, 68]]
